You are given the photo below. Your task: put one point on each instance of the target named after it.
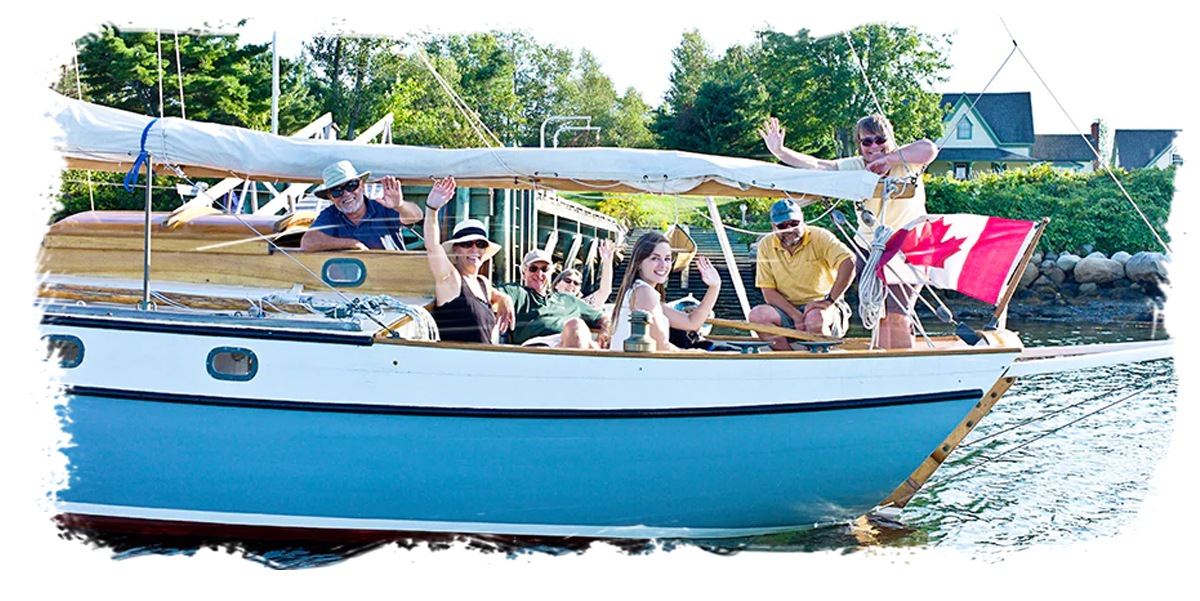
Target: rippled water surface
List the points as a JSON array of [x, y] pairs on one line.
[[1063, 458]]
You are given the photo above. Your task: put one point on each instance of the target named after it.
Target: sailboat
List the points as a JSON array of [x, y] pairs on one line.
[[237, 396]]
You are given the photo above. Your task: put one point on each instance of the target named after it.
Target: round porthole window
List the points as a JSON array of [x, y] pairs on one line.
[[344, 272], [232, 363], [67, 349]]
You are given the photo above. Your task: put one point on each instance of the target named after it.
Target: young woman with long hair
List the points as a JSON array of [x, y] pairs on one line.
[[643, 287]]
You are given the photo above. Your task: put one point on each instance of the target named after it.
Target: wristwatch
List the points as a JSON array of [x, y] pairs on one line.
[[829, 298]]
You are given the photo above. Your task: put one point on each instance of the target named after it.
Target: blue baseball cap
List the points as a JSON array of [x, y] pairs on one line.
[[784, 210]]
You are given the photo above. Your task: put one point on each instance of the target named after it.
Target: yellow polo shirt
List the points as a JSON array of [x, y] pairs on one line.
[[806, 274], [900, 211]]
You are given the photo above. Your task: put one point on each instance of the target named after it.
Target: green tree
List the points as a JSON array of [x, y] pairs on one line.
[[223, 82], [818, 87], [352, 78]]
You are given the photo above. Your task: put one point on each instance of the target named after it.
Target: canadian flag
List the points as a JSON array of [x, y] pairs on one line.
[[973, 254]]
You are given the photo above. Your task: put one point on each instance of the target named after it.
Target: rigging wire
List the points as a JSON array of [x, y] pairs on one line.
[[990, 459], [79, 94], [1101, 160]]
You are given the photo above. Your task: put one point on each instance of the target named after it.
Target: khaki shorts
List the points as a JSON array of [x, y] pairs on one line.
[[839, 327]]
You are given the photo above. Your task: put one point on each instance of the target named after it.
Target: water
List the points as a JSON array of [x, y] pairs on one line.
[[1062, 459]]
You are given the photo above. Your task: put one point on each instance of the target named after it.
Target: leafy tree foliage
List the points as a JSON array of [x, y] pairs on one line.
[[222, 81], [815, 86]]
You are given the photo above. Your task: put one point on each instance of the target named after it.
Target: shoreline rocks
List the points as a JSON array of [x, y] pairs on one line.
[[1057, 277]]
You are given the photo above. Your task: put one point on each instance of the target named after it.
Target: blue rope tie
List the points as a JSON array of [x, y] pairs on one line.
[[131, 177]]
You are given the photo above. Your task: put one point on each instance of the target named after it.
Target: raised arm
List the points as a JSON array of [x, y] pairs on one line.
[[446, 279], [916, 155], [600, 296], [695, 320], [773, 133], [393, 198]]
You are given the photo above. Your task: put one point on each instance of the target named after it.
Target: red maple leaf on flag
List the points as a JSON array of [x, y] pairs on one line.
[[928, 245]]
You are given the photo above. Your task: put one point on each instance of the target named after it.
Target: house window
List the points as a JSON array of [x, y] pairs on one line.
[[964, 129], [962, 170]]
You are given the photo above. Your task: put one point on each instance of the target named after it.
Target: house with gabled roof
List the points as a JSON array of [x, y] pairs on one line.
[[1138, 148], [1068, 152], [985, 133], [988, 133]]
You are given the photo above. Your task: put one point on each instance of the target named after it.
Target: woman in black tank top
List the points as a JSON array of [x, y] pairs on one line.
[[463, 297]]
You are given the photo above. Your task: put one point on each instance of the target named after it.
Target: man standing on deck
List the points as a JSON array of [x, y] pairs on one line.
[[354, 222], [546, 317], [879, 154], [802, 272]]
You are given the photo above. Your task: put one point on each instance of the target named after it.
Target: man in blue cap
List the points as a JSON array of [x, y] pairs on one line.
[[802, 272]]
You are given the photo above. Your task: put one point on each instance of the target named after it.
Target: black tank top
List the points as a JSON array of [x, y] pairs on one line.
[[466, 318]]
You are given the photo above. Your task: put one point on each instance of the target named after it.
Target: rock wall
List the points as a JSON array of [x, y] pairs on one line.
[[1119, 277]]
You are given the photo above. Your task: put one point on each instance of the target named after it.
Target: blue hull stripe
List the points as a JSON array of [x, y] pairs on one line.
[[818, 406]]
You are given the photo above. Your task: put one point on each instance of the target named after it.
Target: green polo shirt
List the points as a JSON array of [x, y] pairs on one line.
[[539, 315], [808, 272]]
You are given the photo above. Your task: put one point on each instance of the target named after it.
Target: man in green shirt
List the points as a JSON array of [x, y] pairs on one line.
[[545, 317]]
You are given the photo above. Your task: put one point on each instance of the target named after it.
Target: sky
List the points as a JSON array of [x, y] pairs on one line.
[[1123, 67]]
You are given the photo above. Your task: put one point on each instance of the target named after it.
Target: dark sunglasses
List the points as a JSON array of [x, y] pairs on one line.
[[470, 243], [337, 192], [787, 225], [573, 282], [876, 141], [533, 268]]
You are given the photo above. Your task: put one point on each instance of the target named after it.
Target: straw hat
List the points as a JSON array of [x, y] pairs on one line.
[[469, 230], [338, 174]]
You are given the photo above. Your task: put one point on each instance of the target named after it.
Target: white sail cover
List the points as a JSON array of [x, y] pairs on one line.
[[95, 133]]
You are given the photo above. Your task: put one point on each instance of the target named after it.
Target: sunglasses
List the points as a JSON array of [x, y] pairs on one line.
[[876, 141], [573, 282], [337, 192], [787, 225], [470, 243], [533, 268]]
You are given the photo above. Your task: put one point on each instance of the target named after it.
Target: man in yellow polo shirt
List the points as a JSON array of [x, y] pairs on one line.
[[803, 272]]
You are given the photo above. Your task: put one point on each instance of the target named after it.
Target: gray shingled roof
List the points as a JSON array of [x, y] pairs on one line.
[[1136, 148], [982, 154], [1009, 115], [1061, 147]]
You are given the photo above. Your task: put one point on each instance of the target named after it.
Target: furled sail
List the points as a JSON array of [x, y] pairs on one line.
[[102, 138]]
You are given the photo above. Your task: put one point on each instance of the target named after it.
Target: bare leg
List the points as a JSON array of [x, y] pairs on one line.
[[576, 334], [768, 316], [895, 332]]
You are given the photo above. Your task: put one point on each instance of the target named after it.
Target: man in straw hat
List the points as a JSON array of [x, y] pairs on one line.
[[354, 222], [546, 317]]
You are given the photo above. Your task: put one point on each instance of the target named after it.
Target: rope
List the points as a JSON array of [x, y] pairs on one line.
[[1107, 167], [871, 289]]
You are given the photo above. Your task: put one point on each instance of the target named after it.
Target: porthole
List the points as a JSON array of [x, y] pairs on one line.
[[232, 363], [344, 272], [68, 349]]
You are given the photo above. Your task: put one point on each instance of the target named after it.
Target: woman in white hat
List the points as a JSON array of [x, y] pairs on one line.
[[463, 297]]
